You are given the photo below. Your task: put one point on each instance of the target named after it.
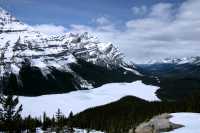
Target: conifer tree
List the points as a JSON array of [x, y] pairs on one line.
[[10, 112], [44, 125], [59, 120], [70, 115], [70, 122], [53, 122]]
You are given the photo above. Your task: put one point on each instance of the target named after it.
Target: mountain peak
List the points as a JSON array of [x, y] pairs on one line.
[[8, 23], [25, 42], [73, 59], [5, 16]]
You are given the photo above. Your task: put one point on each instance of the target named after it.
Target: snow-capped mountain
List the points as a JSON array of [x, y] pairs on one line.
[[187, 66], [186, 60], [9, 23], [176, 77], [31, 61]]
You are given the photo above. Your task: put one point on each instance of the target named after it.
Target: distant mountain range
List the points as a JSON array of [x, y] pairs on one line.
[[177, 78]]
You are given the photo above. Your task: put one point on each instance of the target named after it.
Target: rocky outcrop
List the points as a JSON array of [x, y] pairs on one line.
[[157, 124]]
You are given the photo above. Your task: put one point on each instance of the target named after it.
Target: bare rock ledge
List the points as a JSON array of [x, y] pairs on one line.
[[157, 124]]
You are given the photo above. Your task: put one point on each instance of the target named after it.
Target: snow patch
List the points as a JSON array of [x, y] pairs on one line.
[[15, 69], [189, 120], [71, 59], [132, 70], [76, 130]]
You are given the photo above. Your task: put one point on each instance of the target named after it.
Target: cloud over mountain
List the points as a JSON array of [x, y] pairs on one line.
[[165, 30]]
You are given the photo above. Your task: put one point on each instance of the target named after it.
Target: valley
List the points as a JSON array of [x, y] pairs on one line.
[[74, 82]]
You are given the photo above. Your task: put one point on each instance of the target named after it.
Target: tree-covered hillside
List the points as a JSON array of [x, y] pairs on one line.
[[128, 112]]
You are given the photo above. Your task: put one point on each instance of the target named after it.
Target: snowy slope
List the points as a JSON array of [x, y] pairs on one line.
[[80, 100], [189, 120], [22, 47]]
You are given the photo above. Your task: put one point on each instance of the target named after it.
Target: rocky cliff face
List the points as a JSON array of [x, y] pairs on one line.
[[32, 63]]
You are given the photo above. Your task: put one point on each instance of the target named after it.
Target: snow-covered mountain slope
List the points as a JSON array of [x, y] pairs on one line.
[[30, 59], [78, 101], [189, 120]]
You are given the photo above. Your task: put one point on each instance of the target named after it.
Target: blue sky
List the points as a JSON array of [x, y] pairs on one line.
[[142, 29], [66, 12]]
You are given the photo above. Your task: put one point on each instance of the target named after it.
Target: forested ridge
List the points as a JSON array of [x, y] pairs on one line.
[[128, 112]]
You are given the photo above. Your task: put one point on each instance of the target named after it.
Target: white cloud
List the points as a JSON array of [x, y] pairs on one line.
[[162, 11], [50, 29], [102, 21], [164, 31], [139, 10]]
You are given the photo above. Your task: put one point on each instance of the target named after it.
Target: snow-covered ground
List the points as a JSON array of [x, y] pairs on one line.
[[86, 131], [190, 121], [76, 130], [82, 99]]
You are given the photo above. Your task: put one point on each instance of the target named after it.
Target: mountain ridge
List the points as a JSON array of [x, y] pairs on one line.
[[178, 61], [27, 54]]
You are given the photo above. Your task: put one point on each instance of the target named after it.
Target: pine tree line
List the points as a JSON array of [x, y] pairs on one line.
[[129, 112], [11, 120]]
